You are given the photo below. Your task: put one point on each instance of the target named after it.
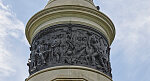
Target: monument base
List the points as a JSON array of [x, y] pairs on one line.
[[69, 73]]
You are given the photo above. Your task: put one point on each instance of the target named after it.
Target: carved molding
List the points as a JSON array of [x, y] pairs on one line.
[[69, 79], [69, 44]]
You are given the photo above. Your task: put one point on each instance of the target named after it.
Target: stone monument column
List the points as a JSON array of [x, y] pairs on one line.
[[70, 41]]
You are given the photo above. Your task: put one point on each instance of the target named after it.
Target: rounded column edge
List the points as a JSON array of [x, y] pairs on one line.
[[70, 67]]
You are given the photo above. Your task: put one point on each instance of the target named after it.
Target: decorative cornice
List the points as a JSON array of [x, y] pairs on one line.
[[71, 8]]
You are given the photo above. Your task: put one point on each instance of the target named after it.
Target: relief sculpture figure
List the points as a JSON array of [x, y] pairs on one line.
[[32, 61], [41, 60], [56, 49]]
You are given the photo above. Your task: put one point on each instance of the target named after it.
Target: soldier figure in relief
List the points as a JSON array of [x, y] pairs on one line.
[[32, 61], [105, 55], [41, 51], [56, 49], [50, 52], [94, 44]]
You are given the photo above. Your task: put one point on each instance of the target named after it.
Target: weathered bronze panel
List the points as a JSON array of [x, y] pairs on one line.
[[69, 44]]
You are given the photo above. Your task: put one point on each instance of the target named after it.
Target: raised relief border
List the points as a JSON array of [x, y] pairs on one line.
[[69, 79], [69, 44]]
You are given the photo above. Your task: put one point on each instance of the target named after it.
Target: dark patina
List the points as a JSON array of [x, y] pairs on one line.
[[69, 44]]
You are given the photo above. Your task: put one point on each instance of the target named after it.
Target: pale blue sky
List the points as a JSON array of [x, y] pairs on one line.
[[130, 54]]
